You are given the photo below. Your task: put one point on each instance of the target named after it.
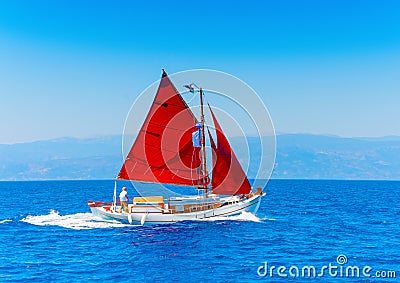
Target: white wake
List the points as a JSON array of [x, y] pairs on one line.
[[81, 221], [5, 220], [78, 221], [244, 216]]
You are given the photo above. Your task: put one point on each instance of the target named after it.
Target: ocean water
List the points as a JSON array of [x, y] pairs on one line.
[[47, 234]]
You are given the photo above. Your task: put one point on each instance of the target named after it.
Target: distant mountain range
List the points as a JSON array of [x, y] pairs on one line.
[[330, 157], [299, 156], [65, 158]]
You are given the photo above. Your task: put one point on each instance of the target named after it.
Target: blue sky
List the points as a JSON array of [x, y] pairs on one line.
[[73, 68]]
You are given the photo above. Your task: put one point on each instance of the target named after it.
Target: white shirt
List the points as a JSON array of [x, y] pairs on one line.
[[123, 196]]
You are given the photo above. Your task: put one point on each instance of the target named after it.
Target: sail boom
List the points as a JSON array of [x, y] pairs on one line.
[[149, 182]]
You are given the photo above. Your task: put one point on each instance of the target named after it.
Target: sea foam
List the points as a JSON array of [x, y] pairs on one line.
[[244, 216], [77, 221]]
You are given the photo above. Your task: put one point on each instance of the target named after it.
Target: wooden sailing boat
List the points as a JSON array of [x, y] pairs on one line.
[[170, 148]]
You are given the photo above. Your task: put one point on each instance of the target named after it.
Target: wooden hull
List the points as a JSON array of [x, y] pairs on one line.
[[156, 215]]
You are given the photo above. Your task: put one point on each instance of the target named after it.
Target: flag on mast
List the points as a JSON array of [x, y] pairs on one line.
[[190, 87], [196, 136]]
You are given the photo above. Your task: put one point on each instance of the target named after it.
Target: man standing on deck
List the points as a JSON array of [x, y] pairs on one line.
[[123, 198]]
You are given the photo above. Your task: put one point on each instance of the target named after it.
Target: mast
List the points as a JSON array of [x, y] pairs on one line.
[[203, 144]]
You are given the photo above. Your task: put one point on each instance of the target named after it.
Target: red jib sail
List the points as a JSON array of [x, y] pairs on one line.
[[163, 150], [228, 177]]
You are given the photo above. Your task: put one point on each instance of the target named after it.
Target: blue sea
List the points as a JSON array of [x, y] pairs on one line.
[[47, 234]]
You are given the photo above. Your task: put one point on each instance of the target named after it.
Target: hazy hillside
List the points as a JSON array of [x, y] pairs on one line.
[[66, 158], [326, 157], [298, 156]]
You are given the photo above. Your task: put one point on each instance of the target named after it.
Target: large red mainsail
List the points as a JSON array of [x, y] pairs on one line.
[[163, 150], [228, 177]]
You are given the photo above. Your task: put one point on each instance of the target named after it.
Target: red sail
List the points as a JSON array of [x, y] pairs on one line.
[[228, 177], [163, 150]]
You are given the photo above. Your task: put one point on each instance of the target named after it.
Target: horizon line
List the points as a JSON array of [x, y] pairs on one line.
[[249, 136]]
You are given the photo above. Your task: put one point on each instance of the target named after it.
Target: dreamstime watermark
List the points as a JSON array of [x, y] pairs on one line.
[[338, 269]]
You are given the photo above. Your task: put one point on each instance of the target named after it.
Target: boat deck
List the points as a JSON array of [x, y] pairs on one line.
[[173, 205]]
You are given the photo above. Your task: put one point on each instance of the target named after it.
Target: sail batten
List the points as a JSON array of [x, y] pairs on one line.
[[163, 150]]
